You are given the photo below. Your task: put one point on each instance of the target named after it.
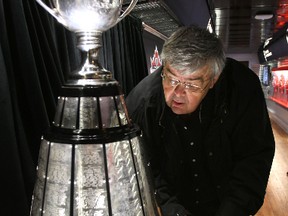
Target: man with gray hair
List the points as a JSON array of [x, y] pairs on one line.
[[206, 129]]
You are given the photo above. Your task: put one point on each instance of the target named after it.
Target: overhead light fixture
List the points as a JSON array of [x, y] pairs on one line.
[[263, 15]]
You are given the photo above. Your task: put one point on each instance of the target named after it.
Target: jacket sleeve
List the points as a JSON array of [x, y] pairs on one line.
[[252, 147], [145, 117]]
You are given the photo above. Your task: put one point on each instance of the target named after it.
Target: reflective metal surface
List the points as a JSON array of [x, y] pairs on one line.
[[91, 160], [88, 15], [84, 111], [88, 19], [92, 179]]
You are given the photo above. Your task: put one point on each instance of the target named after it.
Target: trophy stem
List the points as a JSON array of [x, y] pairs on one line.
[[91, 43], [87, 40]]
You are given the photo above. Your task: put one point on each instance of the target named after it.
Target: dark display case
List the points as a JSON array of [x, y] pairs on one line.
[[266, 75]]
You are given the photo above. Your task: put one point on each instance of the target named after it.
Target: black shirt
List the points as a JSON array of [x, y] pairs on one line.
[[238, 141], [201, 197]]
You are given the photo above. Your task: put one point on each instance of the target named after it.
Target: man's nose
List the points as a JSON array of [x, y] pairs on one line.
[[179, 89]]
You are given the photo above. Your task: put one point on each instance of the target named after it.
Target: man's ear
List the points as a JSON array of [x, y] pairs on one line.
[[213, 81]]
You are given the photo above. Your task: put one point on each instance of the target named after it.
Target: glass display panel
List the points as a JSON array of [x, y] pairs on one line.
[[266, 75], [280, 87]]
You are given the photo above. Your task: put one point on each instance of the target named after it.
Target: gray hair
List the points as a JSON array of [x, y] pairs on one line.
[[190, 48]]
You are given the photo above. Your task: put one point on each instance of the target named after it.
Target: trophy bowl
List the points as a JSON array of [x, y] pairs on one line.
[[87, 15], [88, 19]]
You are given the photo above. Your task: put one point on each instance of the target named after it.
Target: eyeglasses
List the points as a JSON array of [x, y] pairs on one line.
[[189, 86]]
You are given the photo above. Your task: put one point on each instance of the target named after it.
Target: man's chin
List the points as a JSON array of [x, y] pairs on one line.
[[178, 110], [181, 109]]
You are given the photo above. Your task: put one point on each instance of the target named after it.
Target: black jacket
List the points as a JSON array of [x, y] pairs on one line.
[[239, 142]]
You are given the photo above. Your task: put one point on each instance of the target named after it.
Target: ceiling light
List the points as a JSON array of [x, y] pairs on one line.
[[263, 16]]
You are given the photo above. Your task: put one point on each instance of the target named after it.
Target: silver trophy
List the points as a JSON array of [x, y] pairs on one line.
[[88, 19], [91, 160]]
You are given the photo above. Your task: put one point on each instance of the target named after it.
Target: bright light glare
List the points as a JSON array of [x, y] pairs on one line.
[[92, 20]]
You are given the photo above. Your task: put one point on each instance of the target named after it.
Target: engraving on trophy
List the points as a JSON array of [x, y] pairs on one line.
[[88, 118], [58, 180], [90, 184], [70, 113]]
